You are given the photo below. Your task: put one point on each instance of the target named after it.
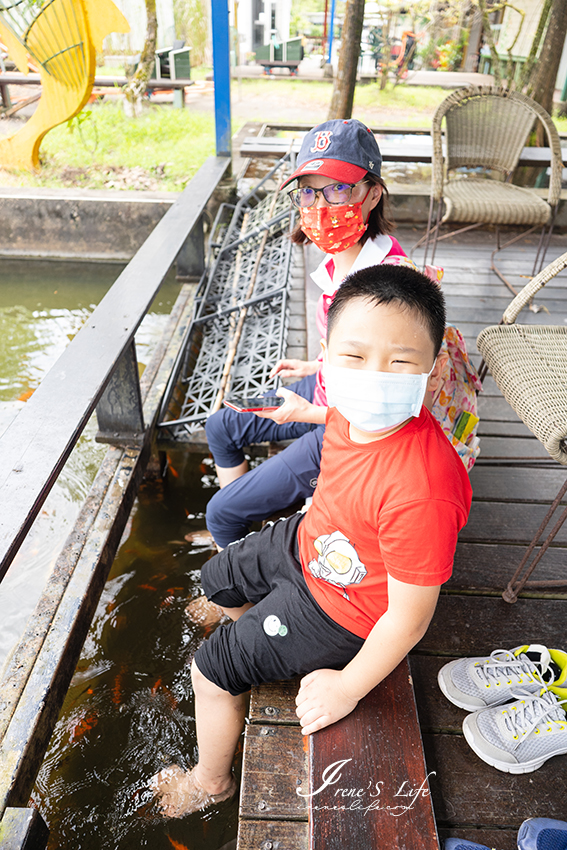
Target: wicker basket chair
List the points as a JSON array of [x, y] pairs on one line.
[[486, 129], [529, 365]]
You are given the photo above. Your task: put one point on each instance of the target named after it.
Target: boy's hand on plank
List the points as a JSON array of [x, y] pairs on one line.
[[322, 700]]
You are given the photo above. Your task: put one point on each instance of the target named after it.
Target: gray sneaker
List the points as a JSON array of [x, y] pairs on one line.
[[474, 683], [520, 736]]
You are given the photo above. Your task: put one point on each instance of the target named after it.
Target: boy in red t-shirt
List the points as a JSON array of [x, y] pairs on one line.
[[338, 595]]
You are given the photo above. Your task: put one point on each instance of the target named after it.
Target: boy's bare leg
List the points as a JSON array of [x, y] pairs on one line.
[[206, 613], [227, 474], [220, 720]]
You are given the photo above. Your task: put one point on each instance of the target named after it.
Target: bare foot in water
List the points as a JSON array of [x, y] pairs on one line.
[[200, 538], [203, 612], [179, 793]]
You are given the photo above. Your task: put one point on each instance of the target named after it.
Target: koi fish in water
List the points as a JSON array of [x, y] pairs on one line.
[[177, 844], [160, 688], [117, 686], [83, 725], [26, 395]]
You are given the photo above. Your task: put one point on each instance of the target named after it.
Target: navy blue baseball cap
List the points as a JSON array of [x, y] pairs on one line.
[[339, 149]]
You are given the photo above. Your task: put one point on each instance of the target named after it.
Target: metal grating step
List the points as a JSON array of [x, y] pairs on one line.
[[240, 325]]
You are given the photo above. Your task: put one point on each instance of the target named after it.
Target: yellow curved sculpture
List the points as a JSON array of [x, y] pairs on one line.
[[61, 37]]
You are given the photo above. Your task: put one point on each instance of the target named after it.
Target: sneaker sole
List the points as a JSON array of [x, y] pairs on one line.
[[504, 766]]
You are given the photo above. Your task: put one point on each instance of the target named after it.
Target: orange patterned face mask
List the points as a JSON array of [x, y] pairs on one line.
[[334, 229]]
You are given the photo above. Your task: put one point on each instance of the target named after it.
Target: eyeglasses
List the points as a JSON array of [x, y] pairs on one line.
[[334, 193]]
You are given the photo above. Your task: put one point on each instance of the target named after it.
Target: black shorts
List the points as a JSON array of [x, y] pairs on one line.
[[286, 633]]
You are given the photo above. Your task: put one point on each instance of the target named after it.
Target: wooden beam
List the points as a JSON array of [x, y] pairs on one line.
[[392, 150], [378, 784]]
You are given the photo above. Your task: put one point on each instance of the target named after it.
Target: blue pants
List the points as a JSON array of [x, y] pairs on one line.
[[275, 484]]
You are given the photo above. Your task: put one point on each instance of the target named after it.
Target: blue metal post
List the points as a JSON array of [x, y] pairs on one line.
[[221, 72], [331, 30]]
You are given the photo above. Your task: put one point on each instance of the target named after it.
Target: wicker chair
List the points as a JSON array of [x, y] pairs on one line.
[[529, 365], [486, 129]]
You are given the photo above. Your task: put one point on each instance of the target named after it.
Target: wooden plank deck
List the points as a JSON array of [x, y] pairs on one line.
[[514, 481]]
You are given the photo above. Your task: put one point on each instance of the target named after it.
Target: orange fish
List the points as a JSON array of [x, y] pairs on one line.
[[159, 577], [159, 687], [25, 395], [117, 686], [147, 586], [177, 844], [84, 724]]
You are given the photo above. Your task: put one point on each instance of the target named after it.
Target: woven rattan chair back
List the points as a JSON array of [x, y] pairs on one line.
[[488, 127], [529, 366], [487, 131]]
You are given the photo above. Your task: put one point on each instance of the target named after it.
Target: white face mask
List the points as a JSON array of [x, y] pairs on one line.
[[375, 401]]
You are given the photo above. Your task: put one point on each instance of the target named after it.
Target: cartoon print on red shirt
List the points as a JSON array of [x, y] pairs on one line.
[[338, 562]]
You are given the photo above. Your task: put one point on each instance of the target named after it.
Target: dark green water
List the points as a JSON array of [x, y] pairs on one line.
[[42, 306], [129, 711]]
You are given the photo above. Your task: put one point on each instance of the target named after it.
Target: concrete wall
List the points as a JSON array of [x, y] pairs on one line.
[[101, 225]]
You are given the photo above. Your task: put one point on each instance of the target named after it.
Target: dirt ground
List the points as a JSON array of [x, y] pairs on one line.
[[271, 100]]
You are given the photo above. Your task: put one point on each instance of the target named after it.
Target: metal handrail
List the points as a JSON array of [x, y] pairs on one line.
[[36, 445]]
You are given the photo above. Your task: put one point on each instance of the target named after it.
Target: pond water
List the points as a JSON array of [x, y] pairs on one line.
[[129, 711], [43, 304]]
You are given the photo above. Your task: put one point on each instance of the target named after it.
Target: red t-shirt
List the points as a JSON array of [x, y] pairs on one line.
[[391, 507]]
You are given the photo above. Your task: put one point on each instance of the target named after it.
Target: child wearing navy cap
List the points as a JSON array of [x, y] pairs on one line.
[[342, 201]]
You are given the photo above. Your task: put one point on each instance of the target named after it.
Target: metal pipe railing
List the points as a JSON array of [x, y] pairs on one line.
[[35, 447]]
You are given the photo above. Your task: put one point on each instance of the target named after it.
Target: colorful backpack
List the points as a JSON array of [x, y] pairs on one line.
[[455, 404]]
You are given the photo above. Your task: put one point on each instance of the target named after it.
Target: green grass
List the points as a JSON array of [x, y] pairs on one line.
[[412, 103], [159, 151]]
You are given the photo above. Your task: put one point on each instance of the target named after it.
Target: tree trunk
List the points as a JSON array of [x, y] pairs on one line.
[[530, 61], [135, 87], [345, 81], [544, 75], [496, 62], [541, 85]]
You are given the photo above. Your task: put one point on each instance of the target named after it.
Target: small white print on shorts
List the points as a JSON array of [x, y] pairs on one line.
[[273, 626]]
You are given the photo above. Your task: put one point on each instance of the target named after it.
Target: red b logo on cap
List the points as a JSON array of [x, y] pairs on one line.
[[322, 141]]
